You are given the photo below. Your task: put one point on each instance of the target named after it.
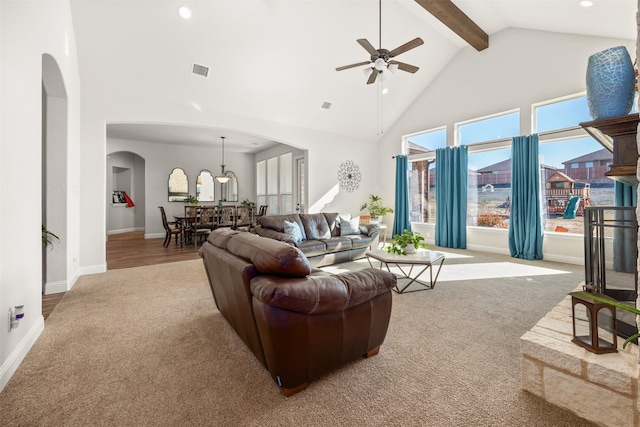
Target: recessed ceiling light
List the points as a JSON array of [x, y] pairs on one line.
[[385, 90], [586, 3], [184, 12]]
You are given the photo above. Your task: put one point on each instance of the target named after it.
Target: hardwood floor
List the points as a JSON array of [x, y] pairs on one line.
[[132, 250]]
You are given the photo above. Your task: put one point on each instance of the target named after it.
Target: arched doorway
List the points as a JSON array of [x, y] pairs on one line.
[[125, 175], [54, 175]]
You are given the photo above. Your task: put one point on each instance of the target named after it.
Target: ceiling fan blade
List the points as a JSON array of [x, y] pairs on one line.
[[372, 77], [368, 47], [346, 67], [405, 47], [405, 67]]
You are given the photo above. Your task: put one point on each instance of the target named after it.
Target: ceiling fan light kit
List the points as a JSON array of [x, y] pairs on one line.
[[380, 59]]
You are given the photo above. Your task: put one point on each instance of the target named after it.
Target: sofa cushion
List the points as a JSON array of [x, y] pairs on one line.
[[333, 222], [315, 226], [276, 222], [349, 227], [293, 229], [220, 237], [312, 247], [269, 256], [322, 294], [360, 241], [337, 244]]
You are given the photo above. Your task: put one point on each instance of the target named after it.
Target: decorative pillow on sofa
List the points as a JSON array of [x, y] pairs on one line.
[[293, 229], [349, 227]]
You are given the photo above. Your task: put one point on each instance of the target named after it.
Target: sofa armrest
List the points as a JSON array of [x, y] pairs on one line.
[[370, 230], [323, 294], [275, 235]]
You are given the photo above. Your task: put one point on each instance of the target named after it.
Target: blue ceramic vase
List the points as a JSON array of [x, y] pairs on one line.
[[611, 82]]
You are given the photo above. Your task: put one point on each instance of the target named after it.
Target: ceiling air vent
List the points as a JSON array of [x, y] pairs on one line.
[[200, 70], [326, 105]]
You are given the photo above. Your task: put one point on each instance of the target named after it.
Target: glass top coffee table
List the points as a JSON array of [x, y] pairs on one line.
[[423, 259]]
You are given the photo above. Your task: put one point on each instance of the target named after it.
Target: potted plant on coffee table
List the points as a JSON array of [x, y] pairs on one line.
[[406, 243], [375, 208]]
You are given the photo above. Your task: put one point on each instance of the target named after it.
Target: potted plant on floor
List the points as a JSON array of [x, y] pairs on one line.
[[375, 208], [406, 243]]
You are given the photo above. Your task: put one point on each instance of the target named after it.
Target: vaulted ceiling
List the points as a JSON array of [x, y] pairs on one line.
[[275, 60]]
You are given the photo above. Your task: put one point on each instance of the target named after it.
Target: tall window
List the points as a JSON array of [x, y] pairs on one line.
[[489, 190], [573, 166], [286, 183], [274, 183], [422, 179], [261, 182]]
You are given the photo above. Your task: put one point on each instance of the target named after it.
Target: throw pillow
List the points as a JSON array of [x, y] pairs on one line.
[[349, 227], [293, 229]]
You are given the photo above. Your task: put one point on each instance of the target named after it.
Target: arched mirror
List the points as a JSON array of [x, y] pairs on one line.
[[205, 189], [230, 188], [178, 185]]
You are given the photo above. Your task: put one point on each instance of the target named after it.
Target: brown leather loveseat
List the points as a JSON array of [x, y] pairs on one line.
[[299, 324], [323, 238]]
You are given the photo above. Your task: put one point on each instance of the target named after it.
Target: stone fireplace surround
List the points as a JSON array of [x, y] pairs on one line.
[[602, 388]]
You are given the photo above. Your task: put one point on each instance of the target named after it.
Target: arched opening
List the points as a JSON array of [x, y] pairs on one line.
[[54, 175]]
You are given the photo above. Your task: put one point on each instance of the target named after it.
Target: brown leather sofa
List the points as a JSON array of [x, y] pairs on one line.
[[299, 323], [322, 242]]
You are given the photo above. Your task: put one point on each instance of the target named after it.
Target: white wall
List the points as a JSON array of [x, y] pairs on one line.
[[519, 68], [27, 31]]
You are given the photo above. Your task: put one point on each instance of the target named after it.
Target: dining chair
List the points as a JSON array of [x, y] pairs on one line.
[[202, 224], [170, 229], [244, 218], [227, 217]]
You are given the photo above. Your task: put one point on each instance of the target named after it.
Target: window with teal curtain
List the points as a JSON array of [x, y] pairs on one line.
[[451, 197], [525, 224], [401, 220]]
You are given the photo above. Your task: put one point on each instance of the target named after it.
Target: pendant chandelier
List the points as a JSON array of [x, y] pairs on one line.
[[223, 178]]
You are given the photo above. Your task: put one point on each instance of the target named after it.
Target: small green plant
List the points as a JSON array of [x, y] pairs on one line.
[[191, 200], [596, 297], [48, 236], [248, 203], [374, 206], [407, 238]]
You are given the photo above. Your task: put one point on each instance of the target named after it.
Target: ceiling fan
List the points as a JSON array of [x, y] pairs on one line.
[[381, 59]]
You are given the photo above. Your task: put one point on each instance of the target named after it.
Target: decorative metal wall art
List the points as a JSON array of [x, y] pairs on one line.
[[349, 176]]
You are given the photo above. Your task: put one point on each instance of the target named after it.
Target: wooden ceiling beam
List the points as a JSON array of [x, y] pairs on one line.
[[451, 16]]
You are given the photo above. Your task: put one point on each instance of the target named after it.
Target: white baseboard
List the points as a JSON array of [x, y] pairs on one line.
[[93, 269], [56, 287], [124, 230], [16, 357]]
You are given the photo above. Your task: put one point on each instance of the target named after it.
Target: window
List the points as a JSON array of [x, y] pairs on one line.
[[428, 140], [490, 176], [422, 173], [571, 164], [501, 126], [422, 191], [274, 183], [489, 173]]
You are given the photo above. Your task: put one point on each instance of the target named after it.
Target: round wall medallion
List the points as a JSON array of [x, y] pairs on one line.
[[349, 176]]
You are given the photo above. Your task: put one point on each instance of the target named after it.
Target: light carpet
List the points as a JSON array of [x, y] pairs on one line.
[[146, 346]]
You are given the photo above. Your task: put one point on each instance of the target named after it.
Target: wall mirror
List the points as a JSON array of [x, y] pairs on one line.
[[178, 185], [230, 188], [205, 189]]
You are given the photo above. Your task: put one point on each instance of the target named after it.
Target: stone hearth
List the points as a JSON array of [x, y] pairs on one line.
[[602, 388]]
